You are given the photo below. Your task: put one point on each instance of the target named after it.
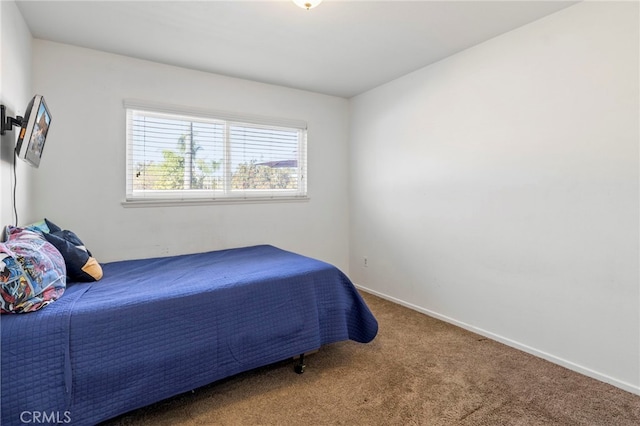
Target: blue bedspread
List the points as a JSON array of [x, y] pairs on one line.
[[154, 328]]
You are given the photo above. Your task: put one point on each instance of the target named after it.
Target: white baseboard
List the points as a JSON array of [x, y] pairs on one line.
[[514, 344]]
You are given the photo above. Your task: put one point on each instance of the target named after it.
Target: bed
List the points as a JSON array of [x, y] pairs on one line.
[[154, 328]]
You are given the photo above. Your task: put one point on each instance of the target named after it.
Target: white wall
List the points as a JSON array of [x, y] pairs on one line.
[[15, 93], [81, 180], [498, 189]]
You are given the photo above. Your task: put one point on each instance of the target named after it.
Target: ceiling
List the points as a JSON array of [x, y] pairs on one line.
[[341, 48]]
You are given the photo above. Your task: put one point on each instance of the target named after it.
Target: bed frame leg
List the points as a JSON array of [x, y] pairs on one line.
[[299, 367]]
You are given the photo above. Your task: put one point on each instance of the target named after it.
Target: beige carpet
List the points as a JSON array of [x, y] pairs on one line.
[[418, 371]]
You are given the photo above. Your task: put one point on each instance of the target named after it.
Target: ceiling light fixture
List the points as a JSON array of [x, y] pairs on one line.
[[307, 4]]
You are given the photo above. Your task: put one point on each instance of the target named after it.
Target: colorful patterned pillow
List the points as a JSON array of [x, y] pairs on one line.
[[32, 272], [40, 226]]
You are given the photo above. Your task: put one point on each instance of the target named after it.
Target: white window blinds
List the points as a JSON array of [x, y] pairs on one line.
[[195, 155]]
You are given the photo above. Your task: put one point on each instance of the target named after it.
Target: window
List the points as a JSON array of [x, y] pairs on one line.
[[190, 155]]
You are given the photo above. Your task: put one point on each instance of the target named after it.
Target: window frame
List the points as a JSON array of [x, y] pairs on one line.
[[143, 198]]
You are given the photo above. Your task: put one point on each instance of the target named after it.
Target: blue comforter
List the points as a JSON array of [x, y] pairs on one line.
[[153, 328]]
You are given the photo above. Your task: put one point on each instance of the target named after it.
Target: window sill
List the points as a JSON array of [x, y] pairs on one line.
[[207, 202]]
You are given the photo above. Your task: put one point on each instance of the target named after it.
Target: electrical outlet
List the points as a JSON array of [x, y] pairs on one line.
[[365, 262]]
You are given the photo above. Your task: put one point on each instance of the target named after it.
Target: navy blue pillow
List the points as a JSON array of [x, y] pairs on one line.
[[81, 265]]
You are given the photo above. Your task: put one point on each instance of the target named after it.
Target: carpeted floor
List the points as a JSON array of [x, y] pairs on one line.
[[418, 371]]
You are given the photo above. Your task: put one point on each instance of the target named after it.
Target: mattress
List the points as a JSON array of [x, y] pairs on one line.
[[154, 328]]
